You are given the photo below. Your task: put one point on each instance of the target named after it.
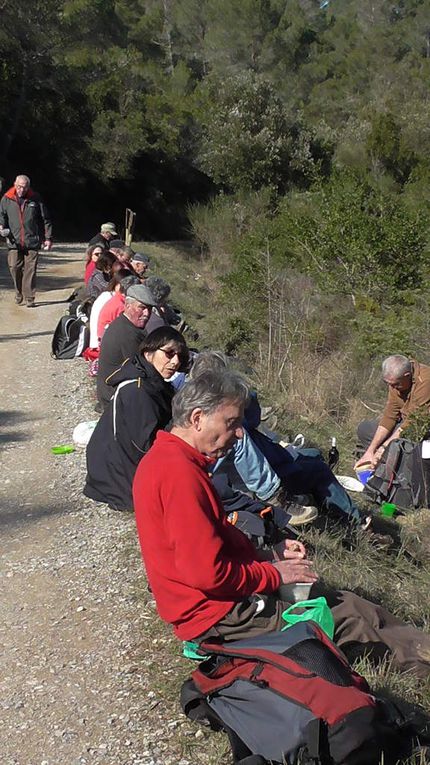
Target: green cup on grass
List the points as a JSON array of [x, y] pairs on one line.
[[388, 509]]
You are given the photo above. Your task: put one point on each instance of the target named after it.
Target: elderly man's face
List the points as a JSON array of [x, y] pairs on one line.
[[216, 433], [138, 313], [402, 384], [21, 186], [139, 267]]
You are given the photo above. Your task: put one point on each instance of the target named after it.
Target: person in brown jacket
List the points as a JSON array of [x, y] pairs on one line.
[[408, 389]]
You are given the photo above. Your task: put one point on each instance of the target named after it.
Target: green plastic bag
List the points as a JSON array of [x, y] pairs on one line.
[[192, 650], [316, 610]]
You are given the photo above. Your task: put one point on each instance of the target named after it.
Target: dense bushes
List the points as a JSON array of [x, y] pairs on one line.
[[316, 292]]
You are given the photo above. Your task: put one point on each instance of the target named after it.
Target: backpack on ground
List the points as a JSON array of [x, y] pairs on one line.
[[400, 476], [71, 336], [291, 697]]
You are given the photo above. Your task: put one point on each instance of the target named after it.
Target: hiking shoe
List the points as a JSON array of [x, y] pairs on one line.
[[18, 298], [301, 515]]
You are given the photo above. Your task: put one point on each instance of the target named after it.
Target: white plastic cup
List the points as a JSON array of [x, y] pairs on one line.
[[293, 593]]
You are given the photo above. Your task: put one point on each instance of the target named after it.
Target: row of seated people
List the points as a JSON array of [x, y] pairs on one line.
[[151, 451], [256, 463]]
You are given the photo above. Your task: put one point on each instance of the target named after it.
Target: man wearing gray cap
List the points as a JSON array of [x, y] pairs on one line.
[[107, 232], [122, 338], [140, 263]]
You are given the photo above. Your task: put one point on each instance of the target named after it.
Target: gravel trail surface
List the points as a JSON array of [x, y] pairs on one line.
[[85, 663]]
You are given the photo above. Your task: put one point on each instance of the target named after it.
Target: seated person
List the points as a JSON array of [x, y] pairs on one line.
[[207, 578], [100, 278], [111, 309], [140, 264], [164, 310], [123, 338], [124, 254], [265, 465], [408, 389], [106, 233], [105, 297], [115, 245], [140, 407], [92, 255]]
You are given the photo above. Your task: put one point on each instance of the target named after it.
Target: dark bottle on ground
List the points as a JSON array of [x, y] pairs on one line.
[[333, 455]]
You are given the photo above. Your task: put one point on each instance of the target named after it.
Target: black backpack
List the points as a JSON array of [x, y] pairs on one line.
[[291, 697], [400, 476], [71, 337]]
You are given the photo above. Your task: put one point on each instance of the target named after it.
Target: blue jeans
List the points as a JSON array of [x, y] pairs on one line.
[[302, 471], [262, 465], [252, 466]]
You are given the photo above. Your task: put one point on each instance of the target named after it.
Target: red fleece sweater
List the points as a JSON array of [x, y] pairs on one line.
[[198, 564]]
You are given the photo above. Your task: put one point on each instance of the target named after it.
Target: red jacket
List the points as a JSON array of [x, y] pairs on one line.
[[110, 311], [198, 564]]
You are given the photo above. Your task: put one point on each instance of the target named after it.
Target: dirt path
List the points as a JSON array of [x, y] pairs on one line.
[[76, 678]]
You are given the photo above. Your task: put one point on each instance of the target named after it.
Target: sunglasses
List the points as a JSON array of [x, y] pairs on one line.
[[170, 353]]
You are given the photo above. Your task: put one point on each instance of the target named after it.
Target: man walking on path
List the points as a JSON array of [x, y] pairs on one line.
[[26, 223]]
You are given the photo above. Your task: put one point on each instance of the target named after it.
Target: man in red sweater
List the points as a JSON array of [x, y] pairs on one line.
[[202, 570], [207, 578]]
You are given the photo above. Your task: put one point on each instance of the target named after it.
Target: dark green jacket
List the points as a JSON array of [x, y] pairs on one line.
[[29, 224]]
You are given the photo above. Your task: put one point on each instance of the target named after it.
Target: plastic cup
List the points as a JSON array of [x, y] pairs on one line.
[[293, 593], [364, 473], [388, 509]]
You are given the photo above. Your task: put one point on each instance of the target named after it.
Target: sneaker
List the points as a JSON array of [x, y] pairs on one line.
[[31, 304], [301, 515], [18, 298]]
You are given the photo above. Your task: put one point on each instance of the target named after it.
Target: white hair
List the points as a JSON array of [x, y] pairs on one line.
[[23, 178], [394, 367]]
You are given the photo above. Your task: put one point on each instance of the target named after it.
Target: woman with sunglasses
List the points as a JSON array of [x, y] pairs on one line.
[[140, 406]]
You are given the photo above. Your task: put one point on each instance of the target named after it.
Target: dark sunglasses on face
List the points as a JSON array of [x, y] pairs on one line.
[[170, 352]]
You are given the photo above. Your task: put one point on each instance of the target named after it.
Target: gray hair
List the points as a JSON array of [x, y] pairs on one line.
[[207, 392], [23, 178], [159, 288], [394, 367], [209, 361]]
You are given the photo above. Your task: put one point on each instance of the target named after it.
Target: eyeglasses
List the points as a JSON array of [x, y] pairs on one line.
[[170, 353]]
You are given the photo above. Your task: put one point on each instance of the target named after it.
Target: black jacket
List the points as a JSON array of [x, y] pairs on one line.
[[120, 342], [141, 406], [29, 223], [100, 240]]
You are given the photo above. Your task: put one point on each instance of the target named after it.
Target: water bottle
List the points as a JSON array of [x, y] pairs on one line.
[[333, 455]]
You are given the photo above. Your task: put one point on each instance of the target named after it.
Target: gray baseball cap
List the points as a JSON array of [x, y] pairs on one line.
[[142, 294]]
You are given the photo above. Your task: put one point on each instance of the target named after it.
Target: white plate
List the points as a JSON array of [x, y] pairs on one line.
[[349, 483]]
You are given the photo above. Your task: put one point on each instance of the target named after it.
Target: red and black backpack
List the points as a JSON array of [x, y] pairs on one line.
[[291, 697]]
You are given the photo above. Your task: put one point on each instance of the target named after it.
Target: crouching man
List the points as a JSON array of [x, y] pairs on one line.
[[207, 578]]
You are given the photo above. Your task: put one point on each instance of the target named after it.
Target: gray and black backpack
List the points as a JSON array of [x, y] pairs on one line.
[[401, 476]]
